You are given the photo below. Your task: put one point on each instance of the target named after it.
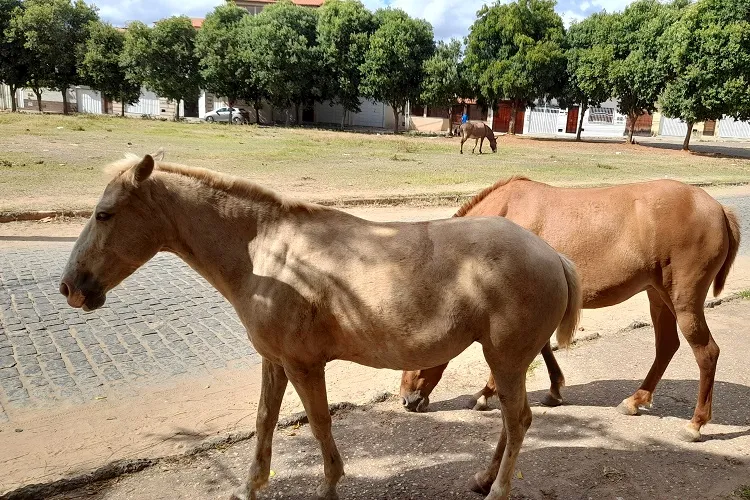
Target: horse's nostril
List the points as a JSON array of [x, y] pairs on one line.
[[404, 402], [64, 289]]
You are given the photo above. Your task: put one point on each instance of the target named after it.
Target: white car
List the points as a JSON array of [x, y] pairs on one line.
[[238, 115]]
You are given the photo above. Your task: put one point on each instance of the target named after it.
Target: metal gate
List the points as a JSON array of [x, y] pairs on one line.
[[148, 104], [672, 127], [729, 128], [89, 101], [543, 120]]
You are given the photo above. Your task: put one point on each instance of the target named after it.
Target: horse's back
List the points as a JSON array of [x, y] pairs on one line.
[[620, 237]]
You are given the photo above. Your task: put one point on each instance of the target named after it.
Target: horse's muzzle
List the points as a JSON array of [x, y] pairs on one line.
[[414, 402]]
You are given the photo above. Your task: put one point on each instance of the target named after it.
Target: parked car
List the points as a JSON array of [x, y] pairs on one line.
[[238, 115]]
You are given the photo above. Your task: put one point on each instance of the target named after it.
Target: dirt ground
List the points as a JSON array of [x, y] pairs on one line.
[[583, 450]]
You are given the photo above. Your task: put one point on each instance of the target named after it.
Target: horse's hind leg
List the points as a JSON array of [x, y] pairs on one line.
[[481, 143], [693, 325], [274, 383], [311, 386], [667, 343], [495, 481], [476, 141], [556, 378]]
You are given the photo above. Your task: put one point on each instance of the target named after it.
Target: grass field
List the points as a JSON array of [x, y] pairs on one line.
[[54, 162]]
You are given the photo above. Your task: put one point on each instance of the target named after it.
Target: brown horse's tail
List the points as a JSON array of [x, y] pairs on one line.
[[733, 228], [567, 328]]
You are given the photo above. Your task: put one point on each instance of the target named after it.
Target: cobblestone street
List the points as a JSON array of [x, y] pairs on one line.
[[163, 321]]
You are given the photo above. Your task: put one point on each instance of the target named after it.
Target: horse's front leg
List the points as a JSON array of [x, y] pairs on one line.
[[474, 149], [311, 386], [274, 383], [481, 143]]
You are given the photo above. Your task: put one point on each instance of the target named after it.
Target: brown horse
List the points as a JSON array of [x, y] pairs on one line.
[[479, 131], [312, 284], [665, 237]]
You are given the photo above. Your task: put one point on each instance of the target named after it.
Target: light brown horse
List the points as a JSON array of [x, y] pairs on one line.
[[665, 237], [479, 131], [312, 284]]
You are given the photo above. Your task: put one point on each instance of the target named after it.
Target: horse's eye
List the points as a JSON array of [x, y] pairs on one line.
[[102, 216]]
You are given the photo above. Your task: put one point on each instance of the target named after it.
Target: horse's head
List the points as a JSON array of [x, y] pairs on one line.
[[492, 139], [122, 234], [416, 387]]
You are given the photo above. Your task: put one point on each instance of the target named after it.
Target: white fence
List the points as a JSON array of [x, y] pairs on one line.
[[89, 101], [672, 127], [729, 128], [543, 120], [148, 104]]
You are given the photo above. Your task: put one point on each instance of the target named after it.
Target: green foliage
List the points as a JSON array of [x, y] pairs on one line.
[[708, 53], [637, 74], [516, 51], [54, 33], [444, 82], [343, 33], [14, 57], [218, 47], [163, 58], [100, 66], [393, 67], [280, 45]]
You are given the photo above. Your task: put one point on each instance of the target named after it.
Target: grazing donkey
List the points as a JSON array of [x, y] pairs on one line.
[[312, 284], [479, 131]]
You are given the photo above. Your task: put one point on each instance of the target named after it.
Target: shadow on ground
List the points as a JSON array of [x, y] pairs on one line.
[[585, 451]]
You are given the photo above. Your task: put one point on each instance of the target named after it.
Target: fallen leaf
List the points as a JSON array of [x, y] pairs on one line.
[[519, 475], [273, 473]]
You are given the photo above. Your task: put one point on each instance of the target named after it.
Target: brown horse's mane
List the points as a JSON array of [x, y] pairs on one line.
[[486, 192], [230, 184]]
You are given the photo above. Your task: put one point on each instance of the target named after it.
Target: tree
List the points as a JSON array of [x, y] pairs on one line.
[[393, 67], [14, 57], [218, 47], [280, 44], [637, 75], [164, 59], [101, 67], [707, 53], [589, 58], [343, 32], [516, 51], [55, 32], [443, 82]]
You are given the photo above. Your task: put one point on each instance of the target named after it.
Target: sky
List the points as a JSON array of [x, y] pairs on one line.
[[449, 18]]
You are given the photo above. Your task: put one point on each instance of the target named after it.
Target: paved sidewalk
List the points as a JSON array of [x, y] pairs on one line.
[[163, 321]]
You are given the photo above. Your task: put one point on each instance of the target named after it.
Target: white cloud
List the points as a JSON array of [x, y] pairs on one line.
[[569, 17], [584, 6], [120, 12]]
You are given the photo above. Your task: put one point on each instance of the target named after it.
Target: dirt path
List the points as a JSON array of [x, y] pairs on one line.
[[585, 449]]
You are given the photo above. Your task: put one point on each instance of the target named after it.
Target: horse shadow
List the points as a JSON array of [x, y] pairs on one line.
[[673, 398]]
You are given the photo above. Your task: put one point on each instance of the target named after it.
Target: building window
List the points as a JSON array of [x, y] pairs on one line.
[[601, 115]]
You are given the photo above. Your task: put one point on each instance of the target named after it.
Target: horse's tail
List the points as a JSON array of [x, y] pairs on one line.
[[567, 328], [733, 228]]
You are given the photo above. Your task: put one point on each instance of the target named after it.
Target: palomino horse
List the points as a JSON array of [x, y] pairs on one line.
[[665, 237], [478, 131], [313, 284]]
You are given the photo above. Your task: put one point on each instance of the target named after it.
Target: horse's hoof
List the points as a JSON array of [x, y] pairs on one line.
[[550, 400], [241, 494], [326, 492], [476, 486], [689, 434], [627, 409], [480, 404]]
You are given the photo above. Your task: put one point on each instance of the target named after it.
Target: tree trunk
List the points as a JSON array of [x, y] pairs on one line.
[[38, 93], [686, 142], [122, 108], [65, 100], [631, 128], [13, 104], [395, 117], [581, 110], [450, 121], [296, 113], [231, 108], [512, 123], [177, 110], [343, 119], [257, 114]]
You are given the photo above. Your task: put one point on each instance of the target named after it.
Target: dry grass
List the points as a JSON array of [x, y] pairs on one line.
[[54, 162]]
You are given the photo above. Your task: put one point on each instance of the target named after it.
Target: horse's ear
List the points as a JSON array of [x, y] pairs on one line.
[[142, 170]]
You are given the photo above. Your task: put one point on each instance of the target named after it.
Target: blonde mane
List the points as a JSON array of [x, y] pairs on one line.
[[486, 192], [229, 184]]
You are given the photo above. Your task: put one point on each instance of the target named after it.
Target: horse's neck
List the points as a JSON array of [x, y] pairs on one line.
[[216, 239]]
